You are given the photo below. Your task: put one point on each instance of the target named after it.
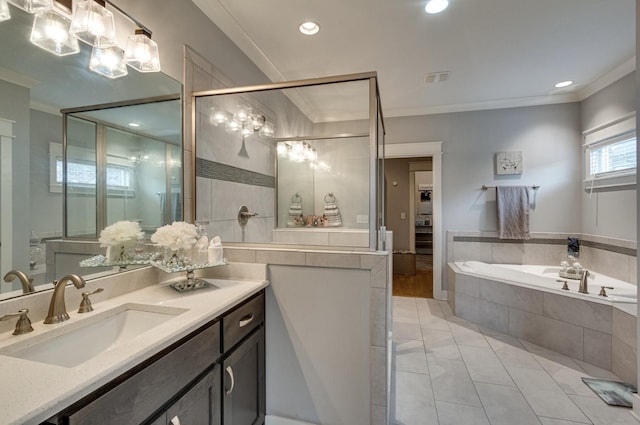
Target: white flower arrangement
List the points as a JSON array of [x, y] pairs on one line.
[[121, 233], [176, 236]]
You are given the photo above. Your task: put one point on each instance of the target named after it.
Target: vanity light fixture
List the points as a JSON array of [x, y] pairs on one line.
[[267, 130], [134, 124], [562, 84], [436, 6], [94, 24], [108, 62], [32, 6], [4, 11], [309, 28], [51, 32], [219, 116], [141, 52]]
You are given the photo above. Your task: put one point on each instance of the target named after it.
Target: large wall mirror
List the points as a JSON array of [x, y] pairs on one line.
[[39, 93]]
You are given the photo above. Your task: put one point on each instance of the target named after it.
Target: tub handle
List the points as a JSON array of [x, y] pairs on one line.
[[564, 284], [603, 293]]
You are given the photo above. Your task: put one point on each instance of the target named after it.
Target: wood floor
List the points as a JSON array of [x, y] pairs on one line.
[[419, 285]]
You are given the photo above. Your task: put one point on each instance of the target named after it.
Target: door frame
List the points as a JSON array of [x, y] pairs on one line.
[[433, 150]]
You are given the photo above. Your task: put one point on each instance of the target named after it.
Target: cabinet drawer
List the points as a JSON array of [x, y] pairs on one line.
[[140, 395], [240, 322]]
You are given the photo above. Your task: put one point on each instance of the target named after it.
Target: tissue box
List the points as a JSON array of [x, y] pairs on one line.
[[215, 255]]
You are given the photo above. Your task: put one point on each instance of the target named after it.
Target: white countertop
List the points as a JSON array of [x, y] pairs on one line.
[[32, 392]]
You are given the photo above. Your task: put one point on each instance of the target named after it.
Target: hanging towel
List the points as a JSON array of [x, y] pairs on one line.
[[294, 219], [331, 211], [513, 212]]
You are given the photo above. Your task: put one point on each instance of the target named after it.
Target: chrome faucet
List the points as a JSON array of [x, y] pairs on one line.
[[583, 288], [57, 308], [27, 282]]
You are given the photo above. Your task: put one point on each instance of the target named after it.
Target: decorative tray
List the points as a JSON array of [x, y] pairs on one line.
[[191, 282], [101, 261]]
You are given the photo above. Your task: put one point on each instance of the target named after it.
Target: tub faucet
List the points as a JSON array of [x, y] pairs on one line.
[[583, 288], [27, 282], [57, 308]]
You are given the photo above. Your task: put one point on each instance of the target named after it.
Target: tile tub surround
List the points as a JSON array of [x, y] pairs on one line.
[[596, 333], [614, 257]]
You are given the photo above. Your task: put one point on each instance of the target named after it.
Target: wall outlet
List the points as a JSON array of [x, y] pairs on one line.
[[403, 216], [362, 219]]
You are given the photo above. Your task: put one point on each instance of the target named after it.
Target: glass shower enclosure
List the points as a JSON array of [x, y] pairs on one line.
[[304, 158]]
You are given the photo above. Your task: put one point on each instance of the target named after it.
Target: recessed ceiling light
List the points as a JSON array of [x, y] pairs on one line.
[[436, 6], [134, 124], [309, 28], [563, 84]]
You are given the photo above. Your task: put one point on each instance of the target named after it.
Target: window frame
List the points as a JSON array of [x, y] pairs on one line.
[[616, 131]]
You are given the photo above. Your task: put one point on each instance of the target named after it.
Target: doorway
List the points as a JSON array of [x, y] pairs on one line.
[[415, 152]]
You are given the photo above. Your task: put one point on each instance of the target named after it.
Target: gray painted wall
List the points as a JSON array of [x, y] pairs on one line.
[[611, 214], [548, 138]]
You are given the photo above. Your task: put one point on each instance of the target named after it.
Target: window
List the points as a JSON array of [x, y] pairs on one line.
[[84, 174], [613, 157], [610, 154]]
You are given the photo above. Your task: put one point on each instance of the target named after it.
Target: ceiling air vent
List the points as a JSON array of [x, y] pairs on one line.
[[437, 77]]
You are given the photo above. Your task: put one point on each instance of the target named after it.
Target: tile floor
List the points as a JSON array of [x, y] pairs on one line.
[[448, 371]]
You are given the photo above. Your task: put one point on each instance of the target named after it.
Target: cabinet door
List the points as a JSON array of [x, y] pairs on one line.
[[244, 383], [200, 405]]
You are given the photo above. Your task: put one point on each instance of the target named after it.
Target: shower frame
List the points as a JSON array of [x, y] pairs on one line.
[[377, 230]]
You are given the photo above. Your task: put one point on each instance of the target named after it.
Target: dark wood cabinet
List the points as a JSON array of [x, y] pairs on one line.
[[244, 382], [200, 380], [200, 405]]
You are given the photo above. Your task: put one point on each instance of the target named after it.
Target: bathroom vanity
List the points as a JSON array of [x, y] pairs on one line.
[[206, 359]]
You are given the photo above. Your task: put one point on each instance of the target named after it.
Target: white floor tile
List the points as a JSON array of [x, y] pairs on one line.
[[440, 344], [406, 329], [544, 395], [483, 365], [553, 421], [505, 405], [600, 413], [451, 382], [410, 356], [459, 414]]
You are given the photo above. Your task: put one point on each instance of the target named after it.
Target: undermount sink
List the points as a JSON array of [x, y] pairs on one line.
[[83, 340]]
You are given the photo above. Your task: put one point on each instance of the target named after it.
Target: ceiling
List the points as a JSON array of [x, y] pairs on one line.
[[500, 53]]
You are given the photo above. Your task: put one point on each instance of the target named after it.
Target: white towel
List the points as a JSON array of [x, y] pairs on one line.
[[513, 212]]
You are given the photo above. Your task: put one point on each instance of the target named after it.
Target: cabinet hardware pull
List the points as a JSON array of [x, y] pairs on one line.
[[175, 420], [233, 382], [246, 320]]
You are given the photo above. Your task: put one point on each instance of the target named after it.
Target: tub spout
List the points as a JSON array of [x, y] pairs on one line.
[[583, 288]]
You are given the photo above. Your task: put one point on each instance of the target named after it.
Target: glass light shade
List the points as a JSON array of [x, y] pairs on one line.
[[256, 121], [219, 116], [267, 130], [108, 62], [141, 52], [51, 32], [4, 11], [242, 114], [93, 24], [32, 6], [233, 126]]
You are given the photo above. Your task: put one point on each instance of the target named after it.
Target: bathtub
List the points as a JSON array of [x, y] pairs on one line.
[[546, 278]]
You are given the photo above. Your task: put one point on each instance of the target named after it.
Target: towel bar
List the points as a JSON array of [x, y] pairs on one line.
[[485, 187]]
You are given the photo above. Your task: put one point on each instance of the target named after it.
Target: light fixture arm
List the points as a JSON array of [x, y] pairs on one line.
[[147, 31]]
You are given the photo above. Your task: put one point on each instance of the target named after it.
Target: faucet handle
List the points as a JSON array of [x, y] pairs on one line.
[[603, 293], [23, 325], [85, 304]]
